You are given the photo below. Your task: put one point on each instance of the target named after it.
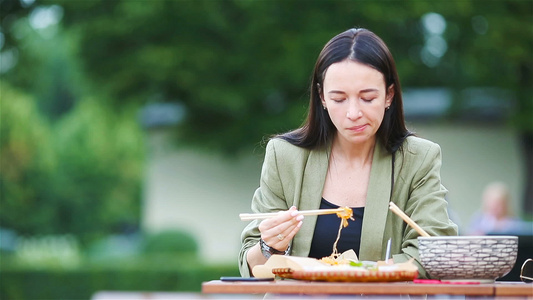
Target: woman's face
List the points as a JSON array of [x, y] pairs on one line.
[[355, 97]]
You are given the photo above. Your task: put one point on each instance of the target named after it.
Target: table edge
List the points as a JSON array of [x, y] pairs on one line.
[[367, 288]]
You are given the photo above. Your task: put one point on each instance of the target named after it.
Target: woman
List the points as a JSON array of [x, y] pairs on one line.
[[495, 216], [353, 150]]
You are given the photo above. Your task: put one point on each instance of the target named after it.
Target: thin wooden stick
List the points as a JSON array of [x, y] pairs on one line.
[[248, 217], [395, 209]]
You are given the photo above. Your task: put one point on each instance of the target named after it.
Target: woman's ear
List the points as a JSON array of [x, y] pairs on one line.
[[319, 89], [390, 95]]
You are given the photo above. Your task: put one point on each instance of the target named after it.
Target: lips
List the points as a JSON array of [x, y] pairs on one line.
[[358, 128]]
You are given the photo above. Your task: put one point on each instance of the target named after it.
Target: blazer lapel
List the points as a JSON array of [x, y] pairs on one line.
[[376, 208], [314, 175]]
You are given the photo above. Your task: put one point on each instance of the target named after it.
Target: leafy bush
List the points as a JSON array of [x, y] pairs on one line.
[[80, 175], [99, 174], [170, 242], [52, 250], [27, 161], [85, 281]]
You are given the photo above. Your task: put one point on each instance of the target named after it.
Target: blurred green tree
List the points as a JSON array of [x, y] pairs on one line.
[[99, 170], [37, 56], [69, 164], [27, 161], [241, 68], [80, 175]]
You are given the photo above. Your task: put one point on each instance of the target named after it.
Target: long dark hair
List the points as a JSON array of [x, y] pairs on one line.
[[363, 46]]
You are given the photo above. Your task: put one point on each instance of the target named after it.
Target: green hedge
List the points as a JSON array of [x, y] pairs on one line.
[[82, 283]]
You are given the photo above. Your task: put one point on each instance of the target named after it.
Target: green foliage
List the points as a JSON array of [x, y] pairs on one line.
[[71, 150], [80, 175], [241, 68], [46, 67], [49, 251], [27, 161], [70, 163], [170, 242], [83, 282], [100, 170]]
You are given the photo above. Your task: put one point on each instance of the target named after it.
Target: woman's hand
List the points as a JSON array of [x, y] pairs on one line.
[[277, 232]]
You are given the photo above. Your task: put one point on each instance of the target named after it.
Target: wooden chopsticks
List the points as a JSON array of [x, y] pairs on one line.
[[248, 217], [395, 209]]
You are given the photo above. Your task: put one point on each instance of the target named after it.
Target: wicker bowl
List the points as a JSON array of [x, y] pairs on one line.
[[468, 258]]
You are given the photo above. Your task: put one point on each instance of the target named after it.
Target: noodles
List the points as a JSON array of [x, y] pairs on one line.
[[346, 214]]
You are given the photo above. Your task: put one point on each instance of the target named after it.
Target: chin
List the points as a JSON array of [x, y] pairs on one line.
[[358, 139]]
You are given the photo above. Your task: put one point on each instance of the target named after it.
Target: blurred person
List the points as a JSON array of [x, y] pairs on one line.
[[495, 216], [353, 150]]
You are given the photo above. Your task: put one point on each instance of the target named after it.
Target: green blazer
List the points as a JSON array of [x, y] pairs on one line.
[[295, 176]]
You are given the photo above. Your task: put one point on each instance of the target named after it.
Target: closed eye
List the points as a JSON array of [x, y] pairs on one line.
[[338, 99], [337, 96]]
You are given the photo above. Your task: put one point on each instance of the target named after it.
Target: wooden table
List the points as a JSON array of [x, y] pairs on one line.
[[507, 289], [498, 289]]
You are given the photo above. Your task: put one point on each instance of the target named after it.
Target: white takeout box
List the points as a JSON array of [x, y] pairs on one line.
[[296, 263]]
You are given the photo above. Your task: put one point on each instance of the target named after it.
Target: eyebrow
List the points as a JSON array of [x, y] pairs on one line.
[[368, 90], [336, 92], [361, 91]]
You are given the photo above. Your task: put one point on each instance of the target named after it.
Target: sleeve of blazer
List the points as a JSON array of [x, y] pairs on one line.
[[269, 197], [423, 198]]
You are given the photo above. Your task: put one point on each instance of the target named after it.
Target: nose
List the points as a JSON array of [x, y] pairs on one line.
[[353, 111]]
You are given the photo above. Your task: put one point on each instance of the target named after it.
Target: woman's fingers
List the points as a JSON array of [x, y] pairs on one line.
[[283, 216], [291, 231], [294, 230], [277, 232]]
